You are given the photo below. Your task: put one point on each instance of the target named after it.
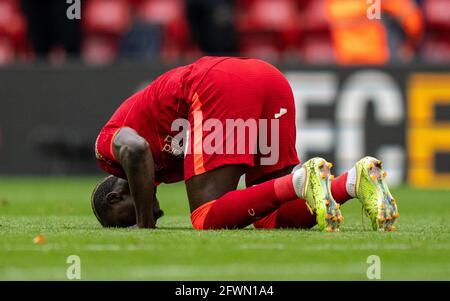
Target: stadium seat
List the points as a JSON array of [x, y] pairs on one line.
[[135, 3], [12, 23], [7, 53], [437, 13], [244, 4], [274, 21], [314, 16], [169, 14], [262, 49], [274, 15], [318, 49], [110, 17], [317, 46], [162, 12], [436, 49], [99, 50]]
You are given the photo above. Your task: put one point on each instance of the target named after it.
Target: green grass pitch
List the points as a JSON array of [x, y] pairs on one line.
[[60, 210]]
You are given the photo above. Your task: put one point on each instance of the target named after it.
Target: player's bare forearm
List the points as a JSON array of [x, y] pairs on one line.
[[133, 153]]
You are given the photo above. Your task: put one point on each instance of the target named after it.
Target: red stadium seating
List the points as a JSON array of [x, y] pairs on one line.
[[277, 15], [314, 16], [106, 17], [161, 11], [12, 31], [437, 13], [268, 26], [436, 48], [260, 48], [99, 50], [318, 49], [135, 3], [436, 45], [7, 52], [169, 14], [104, 22], [12, 23]]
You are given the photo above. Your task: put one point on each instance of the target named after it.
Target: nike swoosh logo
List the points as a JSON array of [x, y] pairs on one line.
[[281, 113]]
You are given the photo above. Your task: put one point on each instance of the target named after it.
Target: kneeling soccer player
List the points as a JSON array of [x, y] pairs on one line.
[[231, 111]]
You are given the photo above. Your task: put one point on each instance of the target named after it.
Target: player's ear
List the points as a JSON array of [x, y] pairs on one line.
[[113, 197]]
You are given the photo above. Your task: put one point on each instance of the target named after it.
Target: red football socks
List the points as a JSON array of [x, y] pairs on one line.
[[272, 204], [339, 189], [295, 214], [240, 208]]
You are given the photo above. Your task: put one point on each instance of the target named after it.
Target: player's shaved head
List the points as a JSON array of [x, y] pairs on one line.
[[98, 199], [111, 204]]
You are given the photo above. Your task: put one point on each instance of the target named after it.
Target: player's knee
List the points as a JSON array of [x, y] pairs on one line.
[[197, 226], [198, 221], [199, 216]]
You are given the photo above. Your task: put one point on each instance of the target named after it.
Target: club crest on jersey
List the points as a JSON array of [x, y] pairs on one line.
[[173, 146]]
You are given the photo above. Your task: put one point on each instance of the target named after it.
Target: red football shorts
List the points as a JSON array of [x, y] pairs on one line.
[[234, 92]]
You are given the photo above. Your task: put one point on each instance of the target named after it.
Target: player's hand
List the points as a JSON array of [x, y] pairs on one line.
[[157, 212]]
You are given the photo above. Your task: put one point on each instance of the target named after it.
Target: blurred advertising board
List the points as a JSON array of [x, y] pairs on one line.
[[50, 116]]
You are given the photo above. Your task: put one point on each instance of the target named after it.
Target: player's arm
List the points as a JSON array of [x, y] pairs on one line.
[[134, 155]]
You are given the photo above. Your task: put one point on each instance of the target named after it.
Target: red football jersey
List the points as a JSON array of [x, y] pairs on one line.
[[150, 112], [222, 88]]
